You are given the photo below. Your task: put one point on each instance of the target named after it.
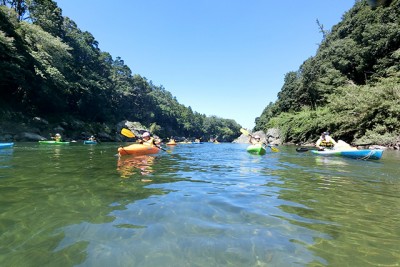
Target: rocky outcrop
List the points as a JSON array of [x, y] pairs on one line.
[[28, 137], [271, 137]]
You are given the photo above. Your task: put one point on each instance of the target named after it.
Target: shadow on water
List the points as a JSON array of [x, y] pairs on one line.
[[198, 205]]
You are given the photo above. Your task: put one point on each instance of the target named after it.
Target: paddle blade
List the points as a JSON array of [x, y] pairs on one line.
[[301, 149], [274, 149], [244, 131], [127, 133]]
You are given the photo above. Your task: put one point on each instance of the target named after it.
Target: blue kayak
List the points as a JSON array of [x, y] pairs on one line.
[[354, 154], [89, 142], [6, 145]]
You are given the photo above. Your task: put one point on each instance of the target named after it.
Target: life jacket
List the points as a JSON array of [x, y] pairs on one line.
[[326, 143]]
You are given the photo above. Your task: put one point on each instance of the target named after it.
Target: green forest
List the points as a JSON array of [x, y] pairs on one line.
[[351, 87], [53, 70]]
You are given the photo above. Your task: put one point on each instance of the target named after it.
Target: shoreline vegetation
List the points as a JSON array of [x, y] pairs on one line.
[[351, 87]]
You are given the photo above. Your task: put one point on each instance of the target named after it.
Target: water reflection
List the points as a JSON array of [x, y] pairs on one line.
[[330, 161], [5, 157], [128, 166], [344, 201]]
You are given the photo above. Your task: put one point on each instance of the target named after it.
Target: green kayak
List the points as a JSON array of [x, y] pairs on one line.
[[256, 149], [53, 142]]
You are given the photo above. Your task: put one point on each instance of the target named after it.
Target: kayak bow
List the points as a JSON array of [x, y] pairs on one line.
[[256, 149], [138, 149], [6, 145]]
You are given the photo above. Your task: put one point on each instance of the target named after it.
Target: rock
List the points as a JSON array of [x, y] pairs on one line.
[[40, 121], [59, 129], [377, 147], [26, 136], [244, 139], [77, 124], [104, 137], [273, 133], [6, 138]]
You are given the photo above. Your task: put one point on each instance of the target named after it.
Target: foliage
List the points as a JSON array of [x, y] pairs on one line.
[[51, 68], [350, 87], [354, 113]]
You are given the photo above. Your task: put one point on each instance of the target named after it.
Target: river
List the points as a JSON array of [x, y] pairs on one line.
[[196, 205]]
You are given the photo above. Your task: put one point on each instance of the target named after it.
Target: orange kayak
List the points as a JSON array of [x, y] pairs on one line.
[[138, 149], [171, 142]]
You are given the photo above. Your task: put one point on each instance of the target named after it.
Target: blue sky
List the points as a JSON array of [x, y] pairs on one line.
[[220, 57]]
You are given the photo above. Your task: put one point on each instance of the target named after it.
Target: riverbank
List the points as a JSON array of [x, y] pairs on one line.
[[23, 129]]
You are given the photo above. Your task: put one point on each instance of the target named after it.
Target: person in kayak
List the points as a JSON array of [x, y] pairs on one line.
[[255, 140], [92, 138], [57, 137], [325, 141], [147, 139]]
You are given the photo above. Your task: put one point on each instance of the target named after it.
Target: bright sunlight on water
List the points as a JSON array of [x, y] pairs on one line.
[[196, 205]]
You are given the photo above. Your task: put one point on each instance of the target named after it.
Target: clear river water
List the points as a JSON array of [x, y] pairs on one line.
[[196, 205]]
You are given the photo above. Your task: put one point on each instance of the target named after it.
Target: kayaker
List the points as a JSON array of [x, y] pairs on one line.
[[255, 140], [325, 141], [147, 139], [171, 141], [57, 137], [92, 138]]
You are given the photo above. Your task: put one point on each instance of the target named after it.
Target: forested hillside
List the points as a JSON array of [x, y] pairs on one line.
[[351, 87], [53, 70]]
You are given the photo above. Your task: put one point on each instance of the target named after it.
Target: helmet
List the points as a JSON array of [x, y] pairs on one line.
[[257, 136], [92, 136], [325, 133], [57, 134], [146, 134]]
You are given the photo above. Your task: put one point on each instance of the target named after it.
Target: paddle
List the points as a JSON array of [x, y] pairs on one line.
[[127, 133], [305, 149], [130, 134], [245, 132]]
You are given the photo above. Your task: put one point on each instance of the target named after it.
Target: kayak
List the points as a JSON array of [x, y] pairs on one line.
[[138, 149], [89, 142], [171, 143], [256, 149], [354, 154], [6, 145], [46, 142]]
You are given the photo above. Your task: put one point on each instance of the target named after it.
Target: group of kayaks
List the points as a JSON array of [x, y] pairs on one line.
[[51, 142], [258, 149]]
